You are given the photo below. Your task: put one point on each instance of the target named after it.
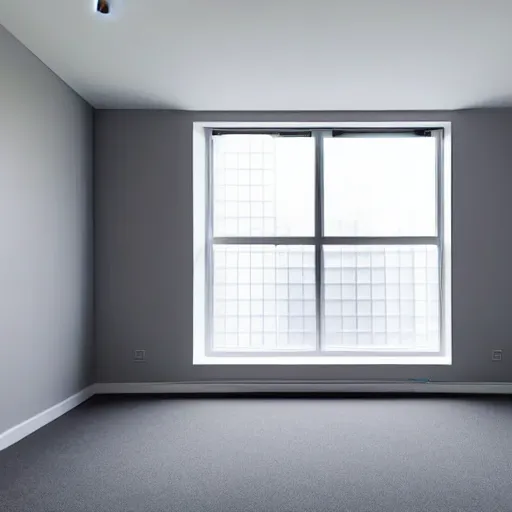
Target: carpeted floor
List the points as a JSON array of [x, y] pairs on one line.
[[264, 455]]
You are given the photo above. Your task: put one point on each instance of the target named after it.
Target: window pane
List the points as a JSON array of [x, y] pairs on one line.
[[264, 298], [263, 185], [381, 297], [380, 186]]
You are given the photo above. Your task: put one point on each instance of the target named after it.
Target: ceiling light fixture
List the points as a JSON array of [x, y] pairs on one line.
[[103, 7]]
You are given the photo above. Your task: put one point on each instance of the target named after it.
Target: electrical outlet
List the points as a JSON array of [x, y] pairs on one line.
[[497, 355], [139, 356]]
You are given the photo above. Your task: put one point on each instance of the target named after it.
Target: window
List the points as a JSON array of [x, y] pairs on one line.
[[322, 245]]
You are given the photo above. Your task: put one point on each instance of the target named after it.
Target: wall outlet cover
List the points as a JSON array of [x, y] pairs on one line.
[[139, 355], [497, 355]]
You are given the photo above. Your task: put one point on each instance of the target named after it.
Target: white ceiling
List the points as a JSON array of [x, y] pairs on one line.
[[274, 54]]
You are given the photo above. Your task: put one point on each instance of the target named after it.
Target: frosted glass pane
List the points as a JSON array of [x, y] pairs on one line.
[[264, 298], [263, 185], [381, 297], [380, 186]]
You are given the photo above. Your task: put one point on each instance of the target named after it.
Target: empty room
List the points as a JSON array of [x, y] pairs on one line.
[[255, 256]]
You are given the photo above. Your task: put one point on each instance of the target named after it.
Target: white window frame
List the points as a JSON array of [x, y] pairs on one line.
[[203, 244]]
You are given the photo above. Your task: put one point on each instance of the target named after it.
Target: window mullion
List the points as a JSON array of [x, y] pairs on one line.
[[319, 222]]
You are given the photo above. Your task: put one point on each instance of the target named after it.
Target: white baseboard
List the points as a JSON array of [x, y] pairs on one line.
[[18, 432], [27, 427], [304, 387]]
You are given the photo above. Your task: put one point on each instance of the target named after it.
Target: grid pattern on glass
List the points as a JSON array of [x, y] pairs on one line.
[[380, 186], [264, 298], [381, 297], [263, 185]]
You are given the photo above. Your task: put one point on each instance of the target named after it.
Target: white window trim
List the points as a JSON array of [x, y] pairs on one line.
[[200, 176]]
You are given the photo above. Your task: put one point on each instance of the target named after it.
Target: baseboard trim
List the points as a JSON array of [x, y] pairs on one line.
[[304, 387], [27, 427]]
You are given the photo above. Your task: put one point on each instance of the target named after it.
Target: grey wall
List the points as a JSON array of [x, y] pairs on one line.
[[143, 208], [45, 237]]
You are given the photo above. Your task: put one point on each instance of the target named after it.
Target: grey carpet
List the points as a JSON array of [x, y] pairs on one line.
[[223, 455]]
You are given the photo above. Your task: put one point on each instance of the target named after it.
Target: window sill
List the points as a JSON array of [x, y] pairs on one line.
[[437, 359]]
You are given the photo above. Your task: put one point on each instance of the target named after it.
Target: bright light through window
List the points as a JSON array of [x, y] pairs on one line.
[[325, 243], [263, 186], [383, 186]]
